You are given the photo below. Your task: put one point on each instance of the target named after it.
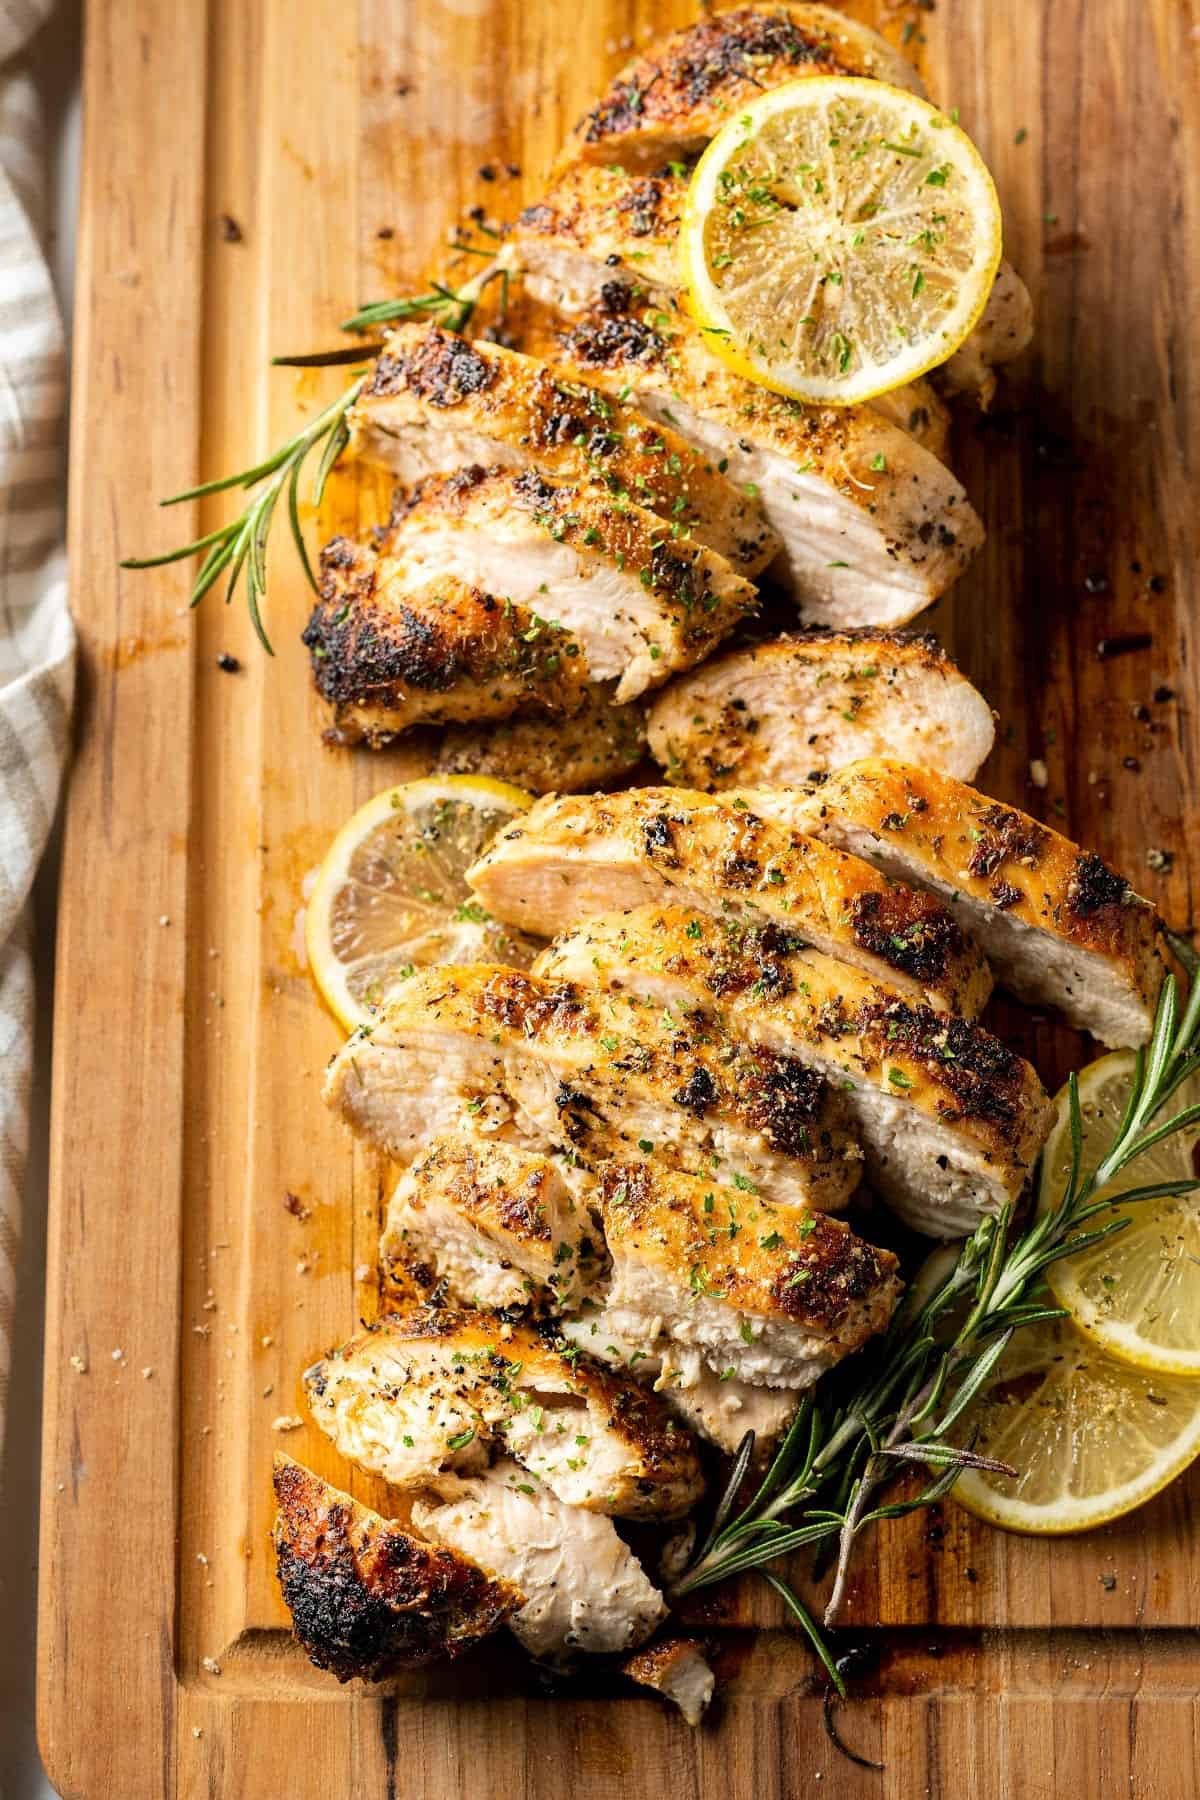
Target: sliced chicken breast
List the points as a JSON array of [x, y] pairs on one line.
[[770, 1294], [436, 402], [575, 856], [390, 650], [675, 1667], [603, 1075], [874, 527], [678, 92], [639, 602], [584, 1588], [1060, 928], [716, 1406], [785, 711], [368, 1598], [1005, 328], [950, 1120], [425, 1393], [490, 1225], [596, 747]]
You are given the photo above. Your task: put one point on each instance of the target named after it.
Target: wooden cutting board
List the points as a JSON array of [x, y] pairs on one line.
[[253, 168]]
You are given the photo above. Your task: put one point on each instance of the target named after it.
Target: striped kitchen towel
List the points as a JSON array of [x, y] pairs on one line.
[[37, 641]]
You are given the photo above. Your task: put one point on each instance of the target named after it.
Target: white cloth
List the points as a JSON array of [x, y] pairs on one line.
[[37, 640]]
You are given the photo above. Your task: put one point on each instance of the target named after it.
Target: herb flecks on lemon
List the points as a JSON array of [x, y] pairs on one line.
[[840, 238], [391, 896]]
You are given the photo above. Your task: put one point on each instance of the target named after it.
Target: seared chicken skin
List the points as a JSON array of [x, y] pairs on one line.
[[604, 1075], [390, 651], [769, 1294], [584, 1588], [490, 1224], [783, 712], [676, 1669], [874, 527], [574, 857], [435, 402], [1059, 927], [950, 1120], [426, 1393], [639, 602], [679, 91], [716, 1406], [596, 747], [368, 1598]]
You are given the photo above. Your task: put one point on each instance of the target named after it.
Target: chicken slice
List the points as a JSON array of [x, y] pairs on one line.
[[595, 747], [390, 650], [768, 1294], [425, 1393], [784, 711], [574, 856], [950, 1120], [679, 91], [1005, 328], [675, 1667], [366, 1597], [603, 1074], [639, 602], [584, 1588], [874, 527], [1060, 928], [718, 1407], [491, 1224], [436, 402]]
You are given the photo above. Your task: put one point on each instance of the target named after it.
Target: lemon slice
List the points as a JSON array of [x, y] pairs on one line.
[[1138, 1292], [840, 237], [391, 893], [1091, 1436]]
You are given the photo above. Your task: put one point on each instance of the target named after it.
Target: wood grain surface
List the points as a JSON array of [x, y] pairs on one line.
[[254, 168]]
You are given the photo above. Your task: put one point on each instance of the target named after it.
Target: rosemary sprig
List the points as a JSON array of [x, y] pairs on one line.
[[847, 1444], [240, 547], [450, 308]]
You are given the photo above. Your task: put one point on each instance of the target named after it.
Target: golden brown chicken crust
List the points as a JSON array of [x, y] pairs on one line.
[[703, 597], [596, 747], [499, 1363], [368, 1598], [572, 432], [773, 1262], [783, 709], [608, 851], [674, 1667], [754, 982], [620, 343], [1001, 857], [679, 92], [515, 1199], [389, 653], [603, 1058], [614, 218], [925, 527], [793, 1110]]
